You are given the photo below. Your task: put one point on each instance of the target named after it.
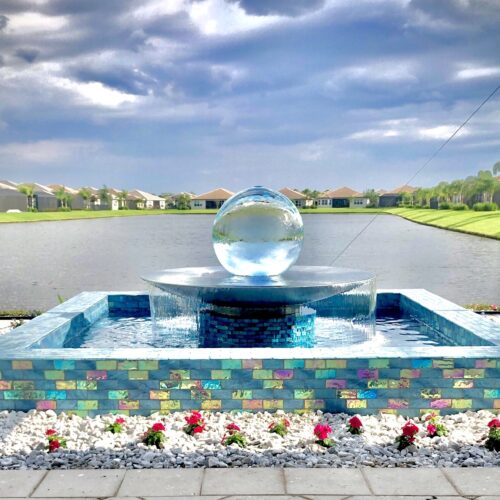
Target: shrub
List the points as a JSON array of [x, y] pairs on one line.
[[408, 434], [444, 205], [54, 440], [234, 435], [435, 428], [117, 426], [355, 425], [195, 423], [485, 207], [493, 441], [280, 427], [322, 431], [154, 435], [459, 206]]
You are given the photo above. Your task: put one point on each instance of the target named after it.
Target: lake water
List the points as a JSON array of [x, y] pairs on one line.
[[41, 260]]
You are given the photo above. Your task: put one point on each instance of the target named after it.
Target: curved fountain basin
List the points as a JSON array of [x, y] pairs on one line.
[[298, 285]]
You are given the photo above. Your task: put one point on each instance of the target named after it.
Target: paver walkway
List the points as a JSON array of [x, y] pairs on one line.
[[241, 484]]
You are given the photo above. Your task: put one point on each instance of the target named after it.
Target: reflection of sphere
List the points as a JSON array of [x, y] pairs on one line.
[[258, 232]]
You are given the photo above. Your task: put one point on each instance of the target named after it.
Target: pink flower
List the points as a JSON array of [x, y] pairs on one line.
[[494, 423], [431, 429], [198, 429], [355, 422], [321, 431], [158, 427], [410, 429], [50, 432], [232, 427], [54, 445], [194, 418], [286, 422], [120, 421], [494, 307]]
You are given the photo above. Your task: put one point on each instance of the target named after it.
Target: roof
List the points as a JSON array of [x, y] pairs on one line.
[[343, 192], [401, 190], [56, 187], [4, 185], [40, 188], [9, 184], [216, 194], [292, 194], [146, 196]]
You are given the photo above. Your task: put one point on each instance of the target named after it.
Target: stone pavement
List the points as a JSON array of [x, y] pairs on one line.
[[241, 484]]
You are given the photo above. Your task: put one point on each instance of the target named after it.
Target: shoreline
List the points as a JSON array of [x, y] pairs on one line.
[[482, 224]]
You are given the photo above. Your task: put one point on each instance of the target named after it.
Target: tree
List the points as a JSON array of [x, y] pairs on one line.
[[86, 195], [373, 196], [29, 191], [183, 201], [486, 184], [63, 197], [311, 193], [496, 168], [104, 195], [122, 198]]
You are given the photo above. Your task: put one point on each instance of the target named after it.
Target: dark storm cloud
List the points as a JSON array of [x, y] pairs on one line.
[[3, 21], [282, 7], [27, 54]]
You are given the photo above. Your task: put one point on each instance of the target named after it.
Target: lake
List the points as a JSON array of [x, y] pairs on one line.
[[43, 260]]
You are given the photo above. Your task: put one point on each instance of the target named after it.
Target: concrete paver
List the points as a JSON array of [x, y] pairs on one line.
[[19, 483], [325, 482], [405, 497], [422, 481], [161, 482], [79, 483], [476, 481], [243, 482]]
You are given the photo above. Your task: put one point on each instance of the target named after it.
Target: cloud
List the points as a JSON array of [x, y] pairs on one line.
[[3, 21], [477, 72], [47, 151], [280, 7], [27, 54]]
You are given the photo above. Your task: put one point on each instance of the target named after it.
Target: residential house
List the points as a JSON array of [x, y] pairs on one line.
[[96, 203], [76, 202], [296, 197], [11, 198], [496, 194], [212, 199], [343, 197], [147, 200], [394, 197], [45, 200]]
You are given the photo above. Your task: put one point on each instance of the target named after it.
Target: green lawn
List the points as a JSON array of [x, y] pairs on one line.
[[467, 221]]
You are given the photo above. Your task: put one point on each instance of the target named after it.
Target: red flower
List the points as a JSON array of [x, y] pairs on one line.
[[232, 427], [54, 445], [120, 421], [431, 429], [286, 422], [271, 425], [494, 307], [410, 429], [158, 427], [198, 429], [355, 422], [194, 418], [321, 431], [50, 432], [494, 423]]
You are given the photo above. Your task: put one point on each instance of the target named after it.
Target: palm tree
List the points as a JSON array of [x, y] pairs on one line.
[[86, 194], [122, 198], [486, 184], [29, 191], [496, 168], [104, 195], [62, 196]]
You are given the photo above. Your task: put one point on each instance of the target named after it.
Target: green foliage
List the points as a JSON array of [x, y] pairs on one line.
[[444, 205], [183, 201], [154, 438], [459, 206], [235, 438], [485, 207], [493, 441], [372, 196]]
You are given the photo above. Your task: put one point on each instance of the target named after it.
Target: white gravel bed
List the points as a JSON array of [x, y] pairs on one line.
[[23, 440]]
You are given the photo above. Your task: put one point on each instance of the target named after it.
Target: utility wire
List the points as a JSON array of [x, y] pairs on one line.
[[438, 150]]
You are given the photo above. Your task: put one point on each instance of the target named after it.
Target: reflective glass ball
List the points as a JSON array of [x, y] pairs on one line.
[[258, 232]]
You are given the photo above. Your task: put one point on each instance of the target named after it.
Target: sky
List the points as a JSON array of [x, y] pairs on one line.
[[189, 95]]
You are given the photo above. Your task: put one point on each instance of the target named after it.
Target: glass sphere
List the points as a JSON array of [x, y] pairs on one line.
[[258, 232]]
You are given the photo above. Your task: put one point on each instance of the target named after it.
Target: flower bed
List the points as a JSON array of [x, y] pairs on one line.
[[90, 443]]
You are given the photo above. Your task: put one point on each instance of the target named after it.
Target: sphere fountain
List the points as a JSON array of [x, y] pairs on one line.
[[258, 297]]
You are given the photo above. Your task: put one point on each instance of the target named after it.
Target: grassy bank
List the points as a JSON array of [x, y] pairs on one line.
[[467, 221]]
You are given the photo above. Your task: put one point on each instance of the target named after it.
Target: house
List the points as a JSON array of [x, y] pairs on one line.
[[96, 203], [394, 197], [181, 200], [76, 202], [212, 199], [147, 200], [11, 198], [296, 197], [343, 197]]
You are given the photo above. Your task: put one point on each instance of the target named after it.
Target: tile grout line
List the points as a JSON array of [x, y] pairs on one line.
[[38, 484], [366, 480], [121, 482], [450, 480], [283, 478], [202, 479]]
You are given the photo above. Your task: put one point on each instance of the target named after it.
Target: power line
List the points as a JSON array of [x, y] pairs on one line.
[[438, 150]]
